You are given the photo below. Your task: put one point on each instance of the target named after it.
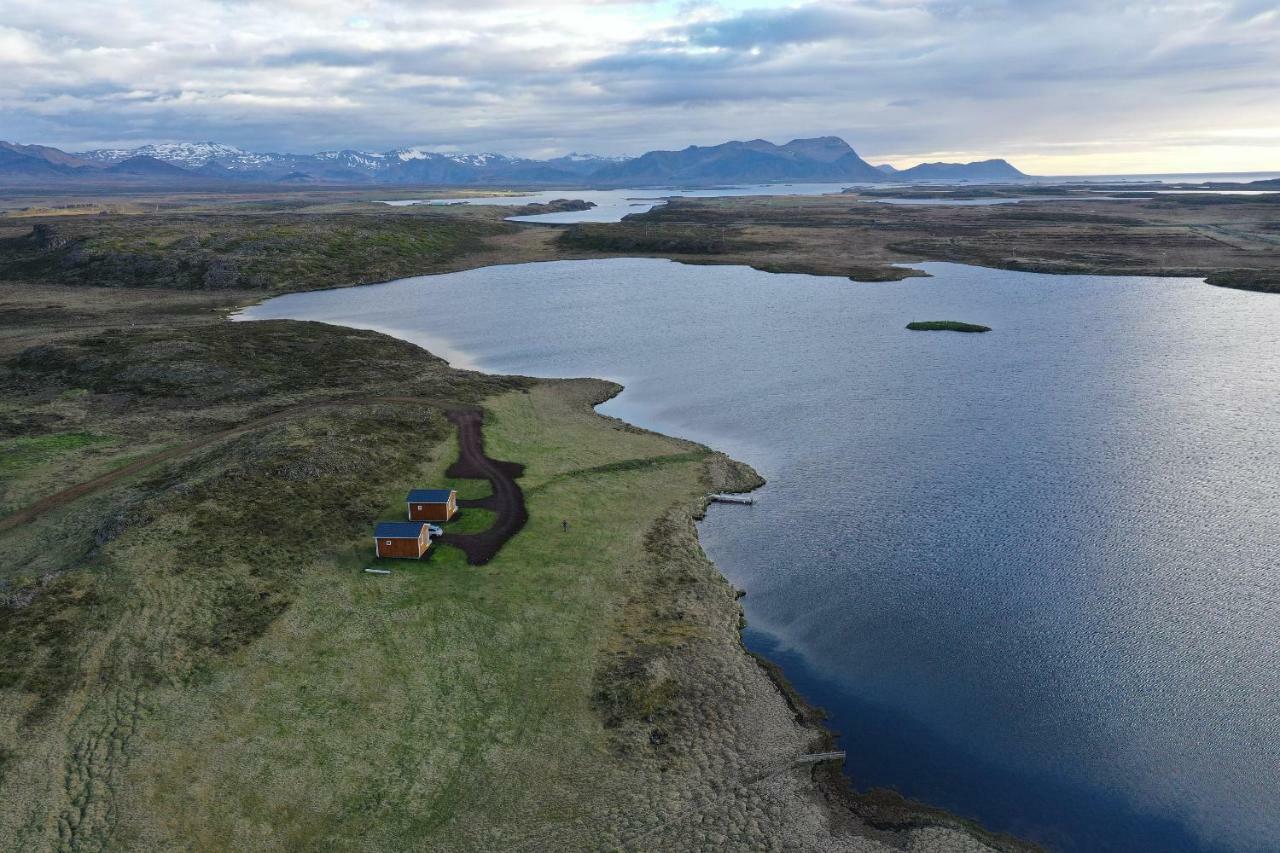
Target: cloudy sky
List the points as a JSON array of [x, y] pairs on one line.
[[1058, 87]]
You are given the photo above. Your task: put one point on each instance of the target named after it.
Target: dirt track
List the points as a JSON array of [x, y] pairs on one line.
[[60, 499], [507, 499]]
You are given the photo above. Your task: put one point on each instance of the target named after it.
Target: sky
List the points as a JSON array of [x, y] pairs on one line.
[[1084, 87]]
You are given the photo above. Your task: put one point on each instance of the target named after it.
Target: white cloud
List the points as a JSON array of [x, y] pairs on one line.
[[1034, 79]]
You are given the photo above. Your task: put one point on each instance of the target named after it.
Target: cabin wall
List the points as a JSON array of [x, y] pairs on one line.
[[405, 549], [433, 512]]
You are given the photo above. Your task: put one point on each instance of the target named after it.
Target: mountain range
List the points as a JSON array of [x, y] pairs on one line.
[[826, 158], [980, 170], [823, 159]]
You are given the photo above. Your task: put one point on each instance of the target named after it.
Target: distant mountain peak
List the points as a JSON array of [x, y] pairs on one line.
[[187, 154], [144, 165], [979, 170], [826, 149], [824, 158], [579, 157], [404, 154], [805, 159]]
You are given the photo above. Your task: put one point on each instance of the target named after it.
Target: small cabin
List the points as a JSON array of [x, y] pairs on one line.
[[432, 504], [405, 540]]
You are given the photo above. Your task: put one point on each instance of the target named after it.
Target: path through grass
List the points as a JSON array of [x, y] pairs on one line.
[[442, 702]]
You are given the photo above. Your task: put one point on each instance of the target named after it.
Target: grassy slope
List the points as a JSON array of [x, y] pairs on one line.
[[155, 582], [386, 712], [194, 660], [232, 249], [1233, 241]]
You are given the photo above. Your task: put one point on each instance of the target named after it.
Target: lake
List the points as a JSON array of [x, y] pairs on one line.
[[943, 201], [1032, 574], [612, 205]]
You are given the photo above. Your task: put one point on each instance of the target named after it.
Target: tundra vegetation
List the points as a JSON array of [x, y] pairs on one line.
[[303, 240], [945, 326], [191, 656]]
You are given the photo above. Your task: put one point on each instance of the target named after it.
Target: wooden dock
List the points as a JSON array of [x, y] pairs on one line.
[[732, 499]]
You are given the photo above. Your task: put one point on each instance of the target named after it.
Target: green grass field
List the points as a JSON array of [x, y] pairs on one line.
[[425, 704], [193, 657], [441, 707], [17, 454]]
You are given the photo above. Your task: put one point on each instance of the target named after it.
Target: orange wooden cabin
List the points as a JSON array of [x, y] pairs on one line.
[[432, 504], [406, 540]]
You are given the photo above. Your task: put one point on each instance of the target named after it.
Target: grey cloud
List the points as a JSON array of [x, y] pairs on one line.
[[805, 25], [895, 77]]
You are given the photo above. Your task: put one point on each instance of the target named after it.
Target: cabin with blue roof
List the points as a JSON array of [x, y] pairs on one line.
[[432, 504], [404, 540]]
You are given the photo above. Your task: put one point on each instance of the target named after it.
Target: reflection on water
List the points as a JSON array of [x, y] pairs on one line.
[[1032, 573], [612, 205]]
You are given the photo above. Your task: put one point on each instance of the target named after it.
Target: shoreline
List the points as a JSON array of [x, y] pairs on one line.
[[58, 312], [879, 811], [882, 809]]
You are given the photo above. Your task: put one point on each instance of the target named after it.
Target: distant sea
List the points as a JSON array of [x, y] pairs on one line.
[[1173, 178]]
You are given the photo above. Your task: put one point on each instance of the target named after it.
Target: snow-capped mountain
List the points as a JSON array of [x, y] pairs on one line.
[[214, 165], [575, 157], [405, 155], [355, 159], [583, 164], [187, 155], [410, 165]]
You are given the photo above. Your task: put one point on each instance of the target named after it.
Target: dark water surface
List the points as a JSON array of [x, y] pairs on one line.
[[1032, 573]]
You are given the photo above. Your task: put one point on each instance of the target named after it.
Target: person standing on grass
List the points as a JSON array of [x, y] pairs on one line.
[[565, 525]]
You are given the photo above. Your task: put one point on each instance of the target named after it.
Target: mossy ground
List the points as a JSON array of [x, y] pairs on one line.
[[194, 657], [312, 703], [945, 326], [234, 249]]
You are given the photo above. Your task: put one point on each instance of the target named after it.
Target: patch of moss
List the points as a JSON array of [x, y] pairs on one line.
[[1259, 281], [946, 326], [646, 239], [19, 453], [38, 639], [628, 690], [241, 251]]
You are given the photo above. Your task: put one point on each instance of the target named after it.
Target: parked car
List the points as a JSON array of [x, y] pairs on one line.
[[435, 531]]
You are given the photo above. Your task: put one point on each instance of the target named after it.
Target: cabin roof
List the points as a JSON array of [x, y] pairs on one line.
[[429, 496], [398, 529]]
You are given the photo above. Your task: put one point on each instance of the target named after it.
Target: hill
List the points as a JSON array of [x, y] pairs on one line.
[[16, 164], [826, 158], [53, 156], [25, 163], [981, 170], [145, 166]]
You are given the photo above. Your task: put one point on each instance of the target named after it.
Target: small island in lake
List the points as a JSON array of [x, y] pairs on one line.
[[946, 326]]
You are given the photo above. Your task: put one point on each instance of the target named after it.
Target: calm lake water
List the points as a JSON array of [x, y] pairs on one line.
[[612, 205], [943, 201], [1032, 574]]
